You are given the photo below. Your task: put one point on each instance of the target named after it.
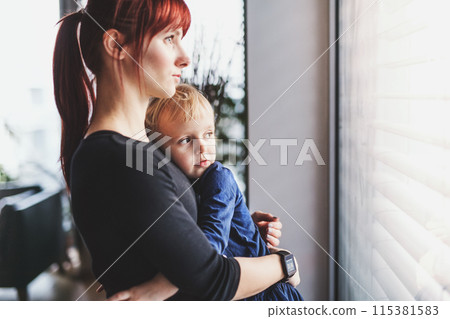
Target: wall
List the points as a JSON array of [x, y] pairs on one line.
[[284, 38]]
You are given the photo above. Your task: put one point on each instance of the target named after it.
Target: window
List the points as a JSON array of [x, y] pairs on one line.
[[215, 43], [29, 121], [394, 146]]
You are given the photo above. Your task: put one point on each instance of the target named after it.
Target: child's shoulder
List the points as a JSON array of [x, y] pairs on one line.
[[217, 179], [218, 174]]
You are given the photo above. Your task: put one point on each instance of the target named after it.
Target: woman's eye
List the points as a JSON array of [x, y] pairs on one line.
[[170, 39], [184, 140]]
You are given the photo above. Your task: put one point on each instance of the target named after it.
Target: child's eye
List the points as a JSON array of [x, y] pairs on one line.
[[209, 135], [184, 140]]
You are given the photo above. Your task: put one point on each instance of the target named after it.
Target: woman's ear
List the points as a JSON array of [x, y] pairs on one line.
[[112, 42]]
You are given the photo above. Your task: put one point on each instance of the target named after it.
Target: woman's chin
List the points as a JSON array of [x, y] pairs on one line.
[[163, 93]]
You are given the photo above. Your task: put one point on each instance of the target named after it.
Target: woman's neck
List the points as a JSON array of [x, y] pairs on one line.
[[120, 109]]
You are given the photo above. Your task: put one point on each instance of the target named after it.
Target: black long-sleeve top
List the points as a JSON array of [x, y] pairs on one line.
[[138, 220]]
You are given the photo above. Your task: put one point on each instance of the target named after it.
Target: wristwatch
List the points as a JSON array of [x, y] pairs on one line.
[[288, 264]]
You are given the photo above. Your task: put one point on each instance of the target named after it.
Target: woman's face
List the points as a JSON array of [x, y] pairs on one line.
[[163, 61]]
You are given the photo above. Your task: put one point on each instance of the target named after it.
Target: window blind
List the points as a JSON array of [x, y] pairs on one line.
[[394, 150]]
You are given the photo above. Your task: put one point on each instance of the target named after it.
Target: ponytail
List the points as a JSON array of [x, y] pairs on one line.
[[74, 93]]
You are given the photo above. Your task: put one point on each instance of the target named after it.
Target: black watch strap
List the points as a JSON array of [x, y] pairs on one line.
[[288, 264]]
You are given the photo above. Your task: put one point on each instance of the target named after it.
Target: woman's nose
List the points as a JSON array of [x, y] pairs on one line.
[[183, 59]]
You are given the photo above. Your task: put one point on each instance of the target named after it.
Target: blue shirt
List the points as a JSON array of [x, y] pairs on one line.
[[226, 222], [223, 216]]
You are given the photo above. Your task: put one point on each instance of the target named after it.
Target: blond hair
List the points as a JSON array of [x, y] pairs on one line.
[[185, 105]]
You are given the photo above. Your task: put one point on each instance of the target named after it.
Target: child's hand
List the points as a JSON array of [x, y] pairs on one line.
[[269, 227]]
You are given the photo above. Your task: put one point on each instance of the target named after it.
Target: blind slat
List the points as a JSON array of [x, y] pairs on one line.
[[413, 277], [402, 30], [410, 62], [436, 180], [388, 280], [400, 195], [413, 133], [406, 96], [420, 243]]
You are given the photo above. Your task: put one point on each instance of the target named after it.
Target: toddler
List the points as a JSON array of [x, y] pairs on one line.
[[188, 119]]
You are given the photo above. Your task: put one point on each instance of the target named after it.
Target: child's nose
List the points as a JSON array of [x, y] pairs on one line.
[[199, 146], [203, 148]]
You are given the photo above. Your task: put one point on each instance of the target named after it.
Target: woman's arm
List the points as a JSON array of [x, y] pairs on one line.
[[166, 238], [152, 217], [256, 275]]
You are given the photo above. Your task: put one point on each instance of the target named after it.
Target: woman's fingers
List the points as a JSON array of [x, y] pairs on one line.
[[120, 296]]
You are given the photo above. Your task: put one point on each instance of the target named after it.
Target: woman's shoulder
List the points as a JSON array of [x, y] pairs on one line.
[[108, 140], [112, 146], [97, 142], [109, 152]]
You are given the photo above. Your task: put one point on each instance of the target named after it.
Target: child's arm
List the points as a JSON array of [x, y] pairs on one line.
[[216, 209]]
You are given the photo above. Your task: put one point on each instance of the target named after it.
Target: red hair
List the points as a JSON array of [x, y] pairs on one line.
[[74, 91]]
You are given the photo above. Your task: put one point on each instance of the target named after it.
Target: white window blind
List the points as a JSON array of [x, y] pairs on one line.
[[394, 150]]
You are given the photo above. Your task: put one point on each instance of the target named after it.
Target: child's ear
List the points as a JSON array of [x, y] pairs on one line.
[[113, 43]]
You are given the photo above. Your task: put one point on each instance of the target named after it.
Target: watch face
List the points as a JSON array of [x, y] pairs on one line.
[[290, 265]]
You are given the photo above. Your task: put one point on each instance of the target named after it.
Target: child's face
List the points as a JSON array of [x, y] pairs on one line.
[[192, 143]]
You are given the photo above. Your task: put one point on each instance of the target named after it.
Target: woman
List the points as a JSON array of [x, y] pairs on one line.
[[137, 220]]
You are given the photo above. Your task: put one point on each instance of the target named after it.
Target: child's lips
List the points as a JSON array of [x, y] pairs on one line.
[[204, 163]]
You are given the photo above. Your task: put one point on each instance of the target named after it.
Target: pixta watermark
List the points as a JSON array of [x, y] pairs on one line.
[[140, 153]]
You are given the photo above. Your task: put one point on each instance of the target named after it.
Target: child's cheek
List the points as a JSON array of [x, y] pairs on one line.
[[182, 157]]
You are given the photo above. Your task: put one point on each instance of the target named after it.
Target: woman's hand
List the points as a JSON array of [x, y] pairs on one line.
[[159, 288], [269, 227]]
